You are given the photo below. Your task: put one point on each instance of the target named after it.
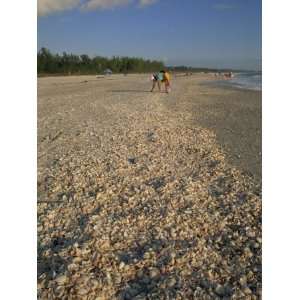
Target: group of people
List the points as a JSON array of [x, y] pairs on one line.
[[161, 77], [227, 75]]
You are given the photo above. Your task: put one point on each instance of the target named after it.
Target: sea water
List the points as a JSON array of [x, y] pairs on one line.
[[245, 80]]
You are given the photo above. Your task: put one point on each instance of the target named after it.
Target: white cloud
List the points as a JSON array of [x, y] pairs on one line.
[[146, 2], [104, 4], [46, 7]]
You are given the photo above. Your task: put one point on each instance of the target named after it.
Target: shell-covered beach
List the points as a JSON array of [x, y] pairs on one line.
[[148, 195]]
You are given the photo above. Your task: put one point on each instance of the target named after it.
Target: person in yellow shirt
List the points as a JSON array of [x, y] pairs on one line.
[[166, 80]]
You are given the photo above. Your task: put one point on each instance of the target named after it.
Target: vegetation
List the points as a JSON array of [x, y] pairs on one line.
[[71, 64], [192, 69], [68, 64]]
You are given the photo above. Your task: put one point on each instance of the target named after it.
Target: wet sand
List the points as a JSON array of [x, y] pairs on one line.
[[235, 117]]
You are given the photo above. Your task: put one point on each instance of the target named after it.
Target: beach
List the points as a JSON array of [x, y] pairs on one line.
[[233, 114], [148, 195]]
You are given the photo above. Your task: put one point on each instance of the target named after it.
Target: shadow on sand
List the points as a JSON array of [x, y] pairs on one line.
[[130, 91]]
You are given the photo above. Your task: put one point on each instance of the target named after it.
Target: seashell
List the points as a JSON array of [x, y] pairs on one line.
[[154, 273], [143, 213], [122, 265], [171, 282], [59, 291], [247, 291], [72, 267], [82, 291], [61, 280], [93, 284], [243, 280]]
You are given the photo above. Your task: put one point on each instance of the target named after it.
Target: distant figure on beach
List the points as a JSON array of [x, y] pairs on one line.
[[228, 75], [162, 76]]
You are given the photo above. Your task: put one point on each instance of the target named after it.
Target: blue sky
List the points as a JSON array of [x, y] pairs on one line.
[[203, 33]]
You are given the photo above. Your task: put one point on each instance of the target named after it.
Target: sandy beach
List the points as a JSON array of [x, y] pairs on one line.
[[234, 115], [148, 195]]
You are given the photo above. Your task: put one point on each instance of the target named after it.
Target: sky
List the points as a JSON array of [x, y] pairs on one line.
[[198, 33]]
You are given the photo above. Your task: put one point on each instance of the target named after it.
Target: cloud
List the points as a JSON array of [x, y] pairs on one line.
[[104, 4], [146, 2], [223, 6], [46, 7]]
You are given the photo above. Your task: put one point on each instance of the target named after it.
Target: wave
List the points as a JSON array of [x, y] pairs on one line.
[[245, 80]]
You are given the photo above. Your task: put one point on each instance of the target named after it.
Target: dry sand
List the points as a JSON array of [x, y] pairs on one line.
[[148, 195]]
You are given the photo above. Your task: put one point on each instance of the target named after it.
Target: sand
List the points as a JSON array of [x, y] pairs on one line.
[[148, 195], [233, 114]]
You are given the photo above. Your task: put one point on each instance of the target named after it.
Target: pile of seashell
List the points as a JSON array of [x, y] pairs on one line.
[[147, 209]]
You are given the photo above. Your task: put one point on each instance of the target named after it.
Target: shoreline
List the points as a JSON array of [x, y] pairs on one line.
[[226, 84]]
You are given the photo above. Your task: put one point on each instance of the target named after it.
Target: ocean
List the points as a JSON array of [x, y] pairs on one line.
[[250, 80]]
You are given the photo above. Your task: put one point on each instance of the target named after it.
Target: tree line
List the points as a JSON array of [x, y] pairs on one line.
[[195, 69], [71, 64]]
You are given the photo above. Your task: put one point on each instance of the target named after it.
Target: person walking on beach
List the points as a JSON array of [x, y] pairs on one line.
[[159, 77], [166, 80]]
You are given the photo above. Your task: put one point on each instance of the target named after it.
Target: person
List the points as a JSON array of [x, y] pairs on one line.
[[159, 77], [166, 81], [156, 79]]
